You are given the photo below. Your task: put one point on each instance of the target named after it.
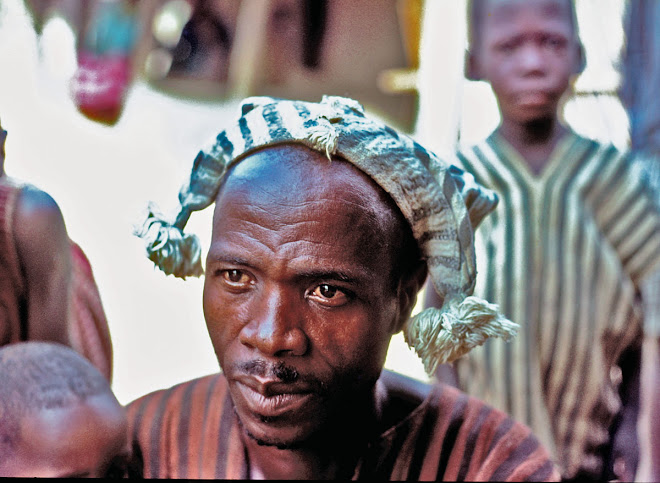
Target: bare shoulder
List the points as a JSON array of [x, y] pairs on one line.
[[38, 218], [41, 237], [35, 204]]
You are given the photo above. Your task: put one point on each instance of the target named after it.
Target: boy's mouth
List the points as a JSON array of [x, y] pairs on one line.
[[533, 99]]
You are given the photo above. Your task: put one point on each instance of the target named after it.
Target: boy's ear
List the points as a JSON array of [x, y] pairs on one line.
[[470, 67], [581, 60]]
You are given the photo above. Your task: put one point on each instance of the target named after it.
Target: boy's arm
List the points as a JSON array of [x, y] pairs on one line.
[[44, 254], [650, 393]]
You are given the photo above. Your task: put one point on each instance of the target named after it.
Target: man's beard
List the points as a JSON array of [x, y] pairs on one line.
[[290, 445], [274, 443]]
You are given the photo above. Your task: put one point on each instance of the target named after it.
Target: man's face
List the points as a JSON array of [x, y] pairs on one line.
[[528, 52], [86, 439], [298, 295]]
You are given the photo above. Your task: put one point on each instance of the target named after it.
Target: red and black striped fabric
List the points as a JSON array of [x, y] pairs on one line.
[[191, 431]]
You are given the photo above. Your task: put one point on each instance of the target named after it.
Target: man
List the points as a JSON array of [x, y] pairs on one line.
[[326, 224], [47, 287]]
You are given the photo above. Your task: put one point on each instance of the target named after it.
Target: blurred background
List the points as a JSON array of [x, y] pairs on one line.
[[107, 103]]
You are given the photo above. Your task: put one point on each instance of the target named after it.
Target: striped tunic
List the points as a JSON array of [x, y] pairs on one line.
[[563, 254], [191, 431]]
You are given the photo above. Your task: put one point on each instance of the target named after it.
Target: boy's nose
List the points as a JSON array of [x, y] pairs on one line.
[[531, 59]]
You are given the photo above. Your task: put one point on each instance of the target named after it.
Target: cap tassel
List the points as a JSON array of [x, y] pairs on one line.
[[174, 252], [443, 335]]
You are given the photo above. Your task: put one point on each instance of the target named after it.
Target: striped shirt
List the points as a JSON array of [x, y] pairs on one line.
[[563, 255], [191, 431]]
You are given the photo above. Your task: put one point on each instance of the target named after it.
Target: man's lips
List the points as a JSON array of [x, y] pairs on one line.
[[272, 398]]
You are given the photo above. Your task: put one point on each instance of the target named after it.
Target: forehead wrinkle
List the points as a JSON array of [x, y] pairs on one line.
[[236, 241]]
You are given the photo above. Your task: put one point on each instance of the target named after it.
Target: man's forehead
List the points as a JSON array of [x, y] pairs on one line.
[[286, 171], [287, 187]]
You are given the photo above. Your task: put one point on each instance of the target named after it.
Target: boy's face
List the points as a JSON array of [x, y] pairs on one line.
[[88, 439], [528, 51]]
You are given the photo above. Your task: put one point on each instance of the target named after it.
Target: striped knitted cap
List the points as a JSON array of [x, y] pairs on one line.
[[441, 203]]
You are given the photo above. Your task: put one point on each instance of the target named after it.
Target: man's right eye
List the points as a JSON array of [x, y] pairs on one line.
[[235, 278]]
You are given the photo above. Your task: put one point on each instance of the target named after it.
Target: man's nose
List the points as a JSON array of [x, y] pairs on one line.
[[275, 326]]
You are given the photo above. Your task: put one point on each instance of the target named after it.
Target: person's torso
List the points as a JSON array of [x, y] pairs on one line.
[[12, 284], [191, 431], [559, 256]]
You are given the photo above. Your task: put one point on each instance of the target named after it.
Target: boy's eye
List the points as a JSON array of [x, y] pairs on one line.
[[554, 43], [506, 47], [329, 295], [235, 278]]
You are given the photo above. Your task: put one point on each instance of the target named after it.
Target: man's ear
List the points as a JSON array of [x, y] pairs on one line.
[[407, 292], [470, 66], [581, 60]]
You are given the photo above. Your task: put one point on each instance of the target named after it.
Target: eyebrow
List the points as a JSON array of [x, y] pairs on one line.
[[231, 260], [332, 275]]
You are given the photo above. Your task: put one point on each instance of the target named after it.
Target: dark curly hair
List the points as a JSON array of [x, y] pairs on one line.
[[41, 375]]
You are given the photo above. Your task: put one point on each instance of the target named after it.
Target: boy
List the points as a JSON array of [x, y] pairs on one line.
[[58, 415], [565, 252]]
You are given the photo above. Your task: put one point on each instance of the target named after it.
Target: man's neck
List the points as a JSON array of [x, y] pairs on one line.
[[271, 463], [534, 140], [331, 456]]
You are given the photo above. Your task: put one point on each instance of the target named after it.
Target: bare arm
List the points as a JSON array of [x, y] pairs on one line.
[[44, 253], [650, 394]]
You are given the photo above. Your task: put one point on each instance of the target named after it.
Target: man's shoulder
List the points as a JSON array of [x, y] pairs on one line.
[[169, 428], [479, 441], [170, 399], [442, 402], [456, 436]]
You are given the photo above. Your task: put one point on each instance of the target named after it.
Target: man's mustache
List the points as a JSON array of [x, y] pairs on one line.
[[265, 369]]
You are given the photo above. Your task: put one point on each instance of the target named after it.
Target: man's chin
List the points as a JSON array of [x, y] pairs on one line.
[[276, 443], [274, 434]]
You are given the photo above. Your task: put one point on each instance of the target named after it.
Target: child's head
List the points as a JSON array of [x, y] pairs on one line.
[[58, 415], [529, 51]]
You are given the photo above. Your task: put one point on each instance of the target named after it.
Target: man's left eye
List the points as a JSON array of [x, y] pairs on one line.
[[329, 295]]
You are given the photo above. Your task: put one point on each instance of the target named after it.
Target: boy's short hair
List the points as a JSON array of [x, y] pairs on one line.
[[39, 375], [475, 14]]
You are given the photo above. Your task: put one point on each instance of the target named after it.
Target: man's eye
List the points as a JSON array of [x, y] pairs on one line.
[[235, 277], [329, 295]]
